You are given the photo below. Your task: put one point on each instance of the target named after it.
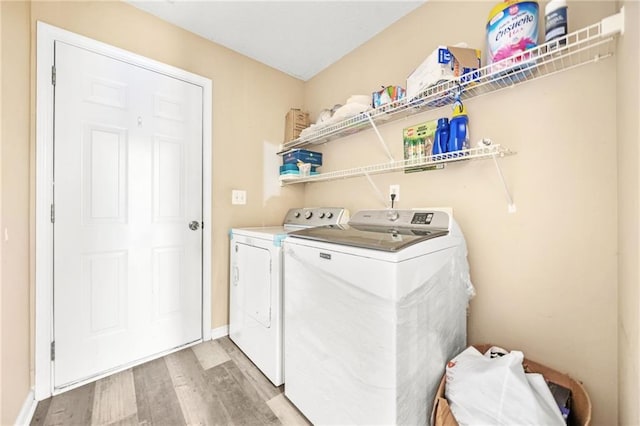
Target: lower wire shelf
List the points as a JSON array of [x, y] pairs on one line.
[[425, 163]]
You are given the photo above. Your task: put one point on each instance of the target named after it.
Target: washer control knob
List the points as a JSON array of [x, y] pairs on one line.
[[329, 215], [393, 215], [296, 215], [321, 215], [308, 214]]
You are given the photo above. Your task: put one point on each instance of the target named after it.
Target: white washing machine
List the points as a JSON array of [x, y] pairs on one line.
[[373, 311], [255, 294]]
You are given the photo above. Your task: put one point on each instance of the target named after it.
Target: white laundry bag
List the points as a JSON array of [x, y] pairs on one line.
[[496, 391]]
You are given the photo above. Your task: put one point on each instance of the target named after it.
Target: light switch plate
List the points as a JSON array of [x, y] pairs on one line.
[[238, 196]]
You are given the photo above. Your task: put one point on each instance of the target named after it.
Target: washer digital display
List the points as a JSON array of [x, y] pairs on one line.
[[422, 218]]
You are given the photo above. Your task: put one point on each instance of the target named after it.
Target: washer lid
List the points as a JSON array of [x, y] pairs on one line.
[[382, 238]]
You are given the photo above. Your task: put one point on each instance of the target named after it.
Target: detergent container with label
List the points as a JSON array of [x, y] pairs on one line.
[[441, 138], [512, 29], [555, 21], [458, 129]]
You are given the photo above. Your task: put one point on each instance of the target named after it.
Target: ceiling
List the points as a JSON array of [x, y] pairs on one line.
[[300, 38]]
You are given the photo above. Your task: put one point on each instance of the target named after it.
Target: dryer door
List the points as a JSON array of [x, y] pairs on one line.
[[254, 282]]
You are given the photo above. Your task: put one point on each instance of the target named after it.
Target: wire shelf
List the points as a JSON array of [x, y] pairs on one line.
[[584, 46], [411, 165]]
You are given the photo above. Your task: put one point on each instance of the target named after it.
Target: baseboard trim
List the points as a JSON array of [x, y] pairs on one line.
[[219, 332], [28, 409]]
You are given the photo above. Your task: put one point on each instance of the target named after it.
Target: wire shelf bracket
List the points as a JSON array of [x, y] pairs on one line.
[[613, 24], [381, 197], [380, 138], [511, 207]]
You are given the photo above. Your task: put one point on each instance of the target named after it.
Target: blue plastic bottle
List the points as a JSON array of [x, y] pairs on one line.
[[441, 138], [458, 129]]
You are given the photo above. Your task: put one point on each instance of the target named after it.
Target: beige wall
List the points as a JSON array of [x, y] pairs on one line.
[[628, 105], [250, 101], [1, 245], [15, 322], [546, 276]]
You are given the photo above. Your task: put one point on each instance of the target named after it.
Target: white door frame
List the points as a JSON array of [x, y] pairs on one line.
[[46, 35]]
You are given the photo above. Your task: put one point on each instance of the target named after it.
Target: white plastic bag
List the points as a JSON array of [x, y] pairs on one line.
[[496, 391]]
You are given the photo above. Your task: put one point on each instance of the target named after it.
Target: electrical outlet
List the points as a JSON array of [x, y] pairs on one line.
[[238, 196], [394, 189]]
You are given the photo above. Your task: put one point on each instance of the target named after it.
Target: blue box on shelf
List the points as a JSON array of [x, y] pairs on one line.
[[293, 169], [293, 156], [296, 173]]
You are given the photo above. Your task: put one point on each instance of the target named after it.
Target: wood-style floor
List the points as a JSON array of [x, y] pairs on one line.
[[212, 383]]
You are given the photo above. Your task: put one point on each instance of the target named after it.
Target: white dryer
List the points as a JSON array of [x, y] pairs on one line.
[[255, 294], [373, 311]]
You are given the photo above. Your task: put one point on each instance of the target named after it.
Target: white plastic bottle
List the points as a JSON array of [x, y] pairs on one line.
[[555, 13]]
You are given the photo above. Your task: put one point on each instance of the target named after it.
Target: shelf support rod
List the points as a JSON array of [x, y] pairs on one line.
[[380, 138], [375, 188], [511, 206]]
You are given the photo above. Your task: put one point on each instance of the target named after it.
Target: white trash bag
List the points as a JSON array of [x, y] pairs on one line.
[[496, 391]]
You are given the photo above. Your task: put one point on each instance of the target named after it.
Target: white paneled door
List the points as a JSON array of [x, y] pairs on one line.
[[127, 214]]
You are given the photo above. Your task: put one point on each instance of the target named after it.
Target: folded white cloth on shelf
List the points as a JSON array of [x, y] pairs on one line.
[[349, 110]]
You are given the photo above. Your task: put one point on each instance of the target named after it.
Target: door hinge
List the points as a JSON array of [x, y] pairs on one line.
[[53, 351], [53, 213], [53, 75]]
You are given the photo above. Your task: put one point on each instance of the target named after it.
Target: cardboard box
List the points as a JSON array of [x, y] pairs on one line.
[[295, 121], [580, 414], [444, 64]]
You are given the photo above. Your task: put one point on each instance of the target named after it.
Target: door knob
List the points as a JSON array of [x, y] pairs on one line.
[[194, 225]]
